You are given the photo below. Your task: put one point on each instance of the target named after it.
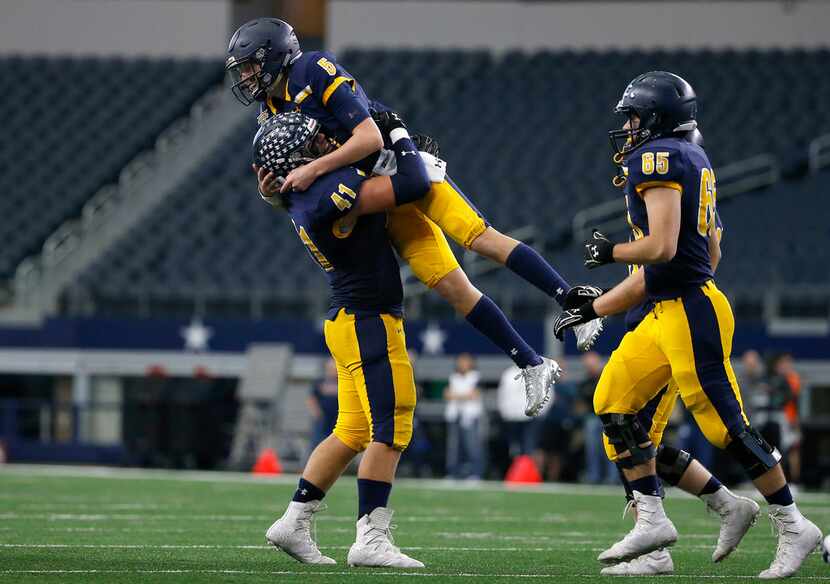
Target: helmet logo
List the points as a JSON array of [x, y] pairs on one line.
[[260, 54]]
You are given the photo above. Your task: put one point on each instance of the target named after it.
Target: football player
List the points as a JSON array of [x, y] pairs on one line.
[[365, 334], [687, 334], [266, 63], [677, 467]]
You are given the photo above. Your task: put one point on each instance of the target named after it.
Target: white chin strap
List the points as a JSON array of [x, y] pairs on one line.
[[686, 126]]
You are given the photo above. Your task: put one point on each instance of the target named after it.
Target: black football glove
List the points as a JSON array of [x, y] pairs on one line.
[[578, 295], [572, 317], [388, 121], [426, 144], [599, 250]]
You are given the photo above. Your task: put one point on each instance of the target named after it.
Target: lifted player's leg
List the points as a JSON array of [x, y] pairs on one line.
[[422, 244], [456, 215]]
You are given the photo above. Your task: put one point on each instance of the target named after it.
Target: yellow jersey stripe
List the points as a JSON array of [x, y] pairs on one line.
[[298, 99], [668, 184], [334, 85]]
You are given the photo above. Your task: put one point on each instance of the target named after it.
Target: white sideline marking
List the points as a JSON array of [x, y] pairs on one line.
[[368, 573], [429, 484]]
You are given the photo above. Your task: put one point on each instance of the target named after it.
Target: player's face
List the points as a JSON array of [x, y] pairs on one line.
[[248, 75], [320, 146]]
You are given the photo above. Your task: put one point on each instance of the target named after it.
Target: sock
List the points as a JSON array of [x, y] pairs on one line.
[[371, 495], [781, 497], [307, 491], [711, 486], [629, 492], [646, 485], [489, 320], [529, 265]]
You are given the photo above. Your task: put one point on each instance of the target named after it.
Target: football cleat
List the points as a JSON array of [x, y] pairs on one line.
[[737, 515], [653, 530], [291, 533], [797, 538], [374, 546], [650, 564], [539, 381], [586, 334]]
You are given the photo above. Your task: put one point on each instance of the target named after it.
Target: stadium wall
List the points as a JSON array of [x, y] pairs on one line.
[[504, 25], [170, 28]]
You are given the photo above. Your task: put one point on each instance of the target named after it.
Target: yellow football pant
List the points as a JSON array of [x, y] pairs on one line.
[[687, 340], [375, 385], [417, 231]]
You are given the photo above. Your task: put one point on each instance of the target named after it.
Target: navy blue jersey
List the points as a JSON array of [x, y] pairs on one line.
[[636, 314], [683, 166], [320, 88], [356, 255]]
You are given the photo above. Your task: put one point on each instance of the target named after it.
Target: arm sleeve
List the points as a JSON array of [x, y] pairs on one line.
[[657, 167], [337, 90], [411, 181]]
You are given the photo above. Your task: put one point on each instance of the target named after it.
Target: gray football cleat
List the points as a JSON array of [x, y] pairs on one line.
[[539, 381], [737, 515], [650, 564]]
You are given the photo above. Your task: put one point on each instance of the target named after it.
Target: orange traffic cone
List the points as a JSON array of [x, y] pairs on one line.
[[267, 463], [523, 470]]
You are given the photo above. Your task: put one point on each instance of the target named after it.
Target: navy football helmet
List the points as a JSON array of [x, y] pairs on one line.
[[285, 142], [666, 105], [269, 43]]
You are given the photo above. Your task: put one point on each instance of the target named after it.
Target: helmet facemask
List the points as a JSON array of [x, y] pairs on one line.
[[263, 72]]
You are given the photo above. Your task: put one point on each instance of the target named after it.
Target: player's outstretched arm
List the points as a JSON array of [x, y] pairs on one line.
[[659, 246]]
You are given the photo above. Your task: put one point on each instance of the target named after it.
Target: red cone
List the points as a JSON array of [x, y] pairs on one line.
[[267, 463], [523, 470]]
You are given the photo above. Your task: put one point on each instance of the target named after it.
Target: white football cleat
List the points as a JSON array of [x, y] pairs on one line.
[[539, 380], [374, 546], [653, 530], [797, 538], [650, 564], [291, 533], [737, 515], [587, 333]]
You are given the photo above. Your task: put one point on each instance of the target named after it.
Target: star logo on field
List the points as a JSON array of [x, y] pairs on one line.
[[196, 336]]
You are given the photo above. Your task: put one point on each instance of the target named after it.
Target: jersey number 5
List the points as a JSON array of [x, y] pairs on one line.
[[708, 202]]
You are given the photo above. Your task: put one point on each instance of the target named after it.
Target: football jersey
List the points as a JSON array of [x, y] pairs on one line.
[[320, 88], [356, 255], [683, 166]]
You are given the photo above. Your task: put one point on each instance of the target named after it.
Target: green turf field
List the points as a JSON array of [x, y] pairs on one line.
[[74, 525]]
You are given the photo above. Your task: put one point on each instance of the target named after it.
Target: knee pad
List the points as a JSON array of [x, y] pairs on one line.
[[672, 463], [753, 453], [625, 432]]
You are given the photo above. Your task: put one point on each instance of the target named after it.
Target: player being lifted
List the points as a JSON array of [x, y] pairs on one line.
[[267, 65], [687, 334], [365, 335]]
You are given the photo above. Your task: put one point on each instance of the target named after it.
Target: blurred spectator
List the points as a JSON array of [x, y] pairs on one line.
[[415, 459], [322, 404], [598, 469], [520, 430], [465, 454], [753, 384], [784, 389], [558, 456]]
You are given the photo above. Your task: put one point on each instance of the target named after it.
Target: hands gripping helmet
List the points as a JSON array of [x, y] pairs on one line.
[[665, 103], [258, 54], [285, 142]]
